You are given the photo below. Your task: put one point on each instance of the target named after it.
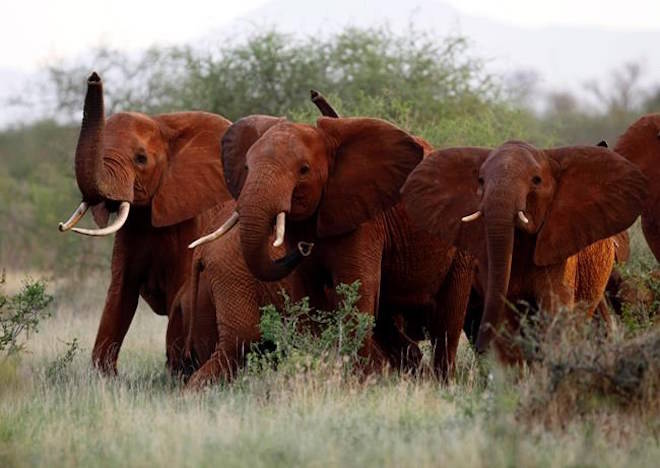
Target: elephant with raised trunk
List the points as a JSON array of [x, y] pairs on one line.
[[539, 222], [337, 185], [163, 176]]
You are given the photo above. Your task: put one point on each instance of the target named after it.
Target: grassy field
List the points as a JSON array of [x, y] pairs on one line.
[[142, 417]]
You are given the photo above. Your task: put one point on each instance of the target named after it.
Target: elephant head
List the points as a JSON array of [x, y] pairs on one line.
[[640, 144], [565, 198], [168, 163], [317, 181]]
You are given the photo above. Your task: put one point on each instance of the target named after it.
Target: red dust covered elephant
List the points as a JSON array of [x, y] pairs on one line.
[[539, 222], [161, 175]]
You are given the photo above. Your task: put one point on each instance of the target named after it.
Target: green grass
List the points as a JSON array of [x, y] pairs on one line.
[[143, 418]]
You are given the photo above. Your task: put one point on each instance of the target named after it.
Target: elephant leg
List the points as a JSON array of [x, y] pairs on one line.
[[403, 352], [358, 256], [595, 264], [120, 305], [175, 339], [446, 324], [473, 315], [237, 319]]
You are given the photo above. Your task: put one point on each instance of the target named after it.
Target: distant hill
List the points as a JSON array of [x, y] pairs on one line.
[[564, 57]]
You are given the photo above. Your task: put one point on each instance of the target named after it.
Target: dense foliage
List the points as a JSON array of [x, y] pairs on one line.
[[426, 84]]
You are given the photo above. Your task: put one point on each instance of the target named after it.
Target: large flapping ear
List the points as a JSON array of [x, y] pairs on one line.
[[369, 161], [235, 144], [442, 190], [194, 180], [598, 195]]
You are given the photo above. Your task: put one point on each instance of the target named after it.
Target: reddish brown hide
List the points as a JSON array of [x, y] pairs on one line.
[[338, 185], [640, 144], [168, 168], [545, 216]]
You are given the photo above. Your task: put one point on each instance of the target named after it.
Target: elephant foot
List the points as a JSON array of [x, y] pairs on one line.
[[107, 366], [215, 369]]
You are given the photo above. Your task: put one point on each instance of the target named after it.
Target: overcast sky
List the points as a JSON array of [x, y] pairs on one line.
[[34, 32]]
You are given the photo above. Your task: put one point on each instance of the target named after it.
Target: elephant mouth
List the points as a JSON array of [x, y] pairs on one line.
[[522, 217], [122, 210]]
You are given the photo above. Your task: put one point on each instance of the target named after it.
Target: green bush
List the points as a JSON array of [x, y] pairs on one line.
[[21, 313], [302, 339]]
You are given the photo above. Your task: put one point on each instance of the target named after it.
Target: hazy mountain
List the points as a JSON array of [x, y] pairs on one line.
[[564, 57]]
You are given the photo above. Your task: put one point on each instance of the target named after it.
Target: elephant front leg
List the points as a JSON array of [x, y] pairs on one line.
[[118, 313], [237, 318], [120, 305], [362, 262], [446, 324]]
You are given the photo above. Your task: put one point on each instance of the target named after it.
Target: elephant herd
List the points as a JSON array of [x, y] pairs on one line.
[[440, 240]]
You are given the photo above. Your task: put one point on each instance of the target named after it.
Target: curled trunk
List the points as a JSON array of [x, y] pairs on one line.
[[263, 198], [255, 242]]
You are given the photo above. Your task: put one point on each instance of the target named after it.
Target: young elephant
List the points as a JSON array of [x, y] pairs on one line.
[[640, 144], [337, 184], [161, 174], [538, 221], [220, 305]]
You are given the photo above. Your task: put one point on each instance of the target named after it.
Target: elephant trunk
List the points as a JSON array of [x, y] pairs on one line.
[[89, 157], [258, 210], [499, 234]]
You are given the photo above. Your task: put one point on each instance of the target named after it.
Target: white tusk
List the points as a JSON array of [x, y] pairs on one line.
[[279, 229], [75, 217], [122, 216], [221, 231], [522, 217], [474, 216]]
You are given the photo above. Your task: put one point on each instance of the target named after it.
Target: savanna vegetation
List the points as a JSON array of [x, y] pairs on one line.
[[588, 398]]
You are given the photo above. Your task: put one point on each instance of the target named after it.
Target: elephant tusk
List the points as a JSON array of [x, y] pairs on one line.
[[221, 231], [122, 216], [305, 248], [279, 229], [75, 217], [522, 217], [473, 217]]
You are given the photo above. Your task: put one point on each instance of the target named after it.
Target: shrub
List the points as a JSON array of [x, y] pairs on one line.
[[579, 368], [63, 361], [302, 339], [20, 314]]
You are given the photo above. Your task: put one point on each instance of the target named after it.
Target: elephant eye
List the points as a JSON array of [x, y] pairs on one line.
[[536, 180], [304, 169], [140, 159], [481, 180]]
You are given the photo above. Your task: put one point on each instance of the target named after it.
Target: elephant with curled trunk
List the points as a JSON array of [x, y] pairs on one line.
[[538, 221], [640, 144], [162, 175], [336, 184]]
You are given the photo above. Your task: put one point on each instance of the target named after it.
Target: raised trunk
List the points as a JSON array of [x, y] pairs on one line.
[[89, 157], [500, 235]]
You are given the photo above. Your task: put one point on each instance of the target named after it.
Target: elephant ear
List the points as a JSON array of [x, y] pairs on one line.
[[369, 161], [235, 144], [193, 181], [598, 195], [442, 190]]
